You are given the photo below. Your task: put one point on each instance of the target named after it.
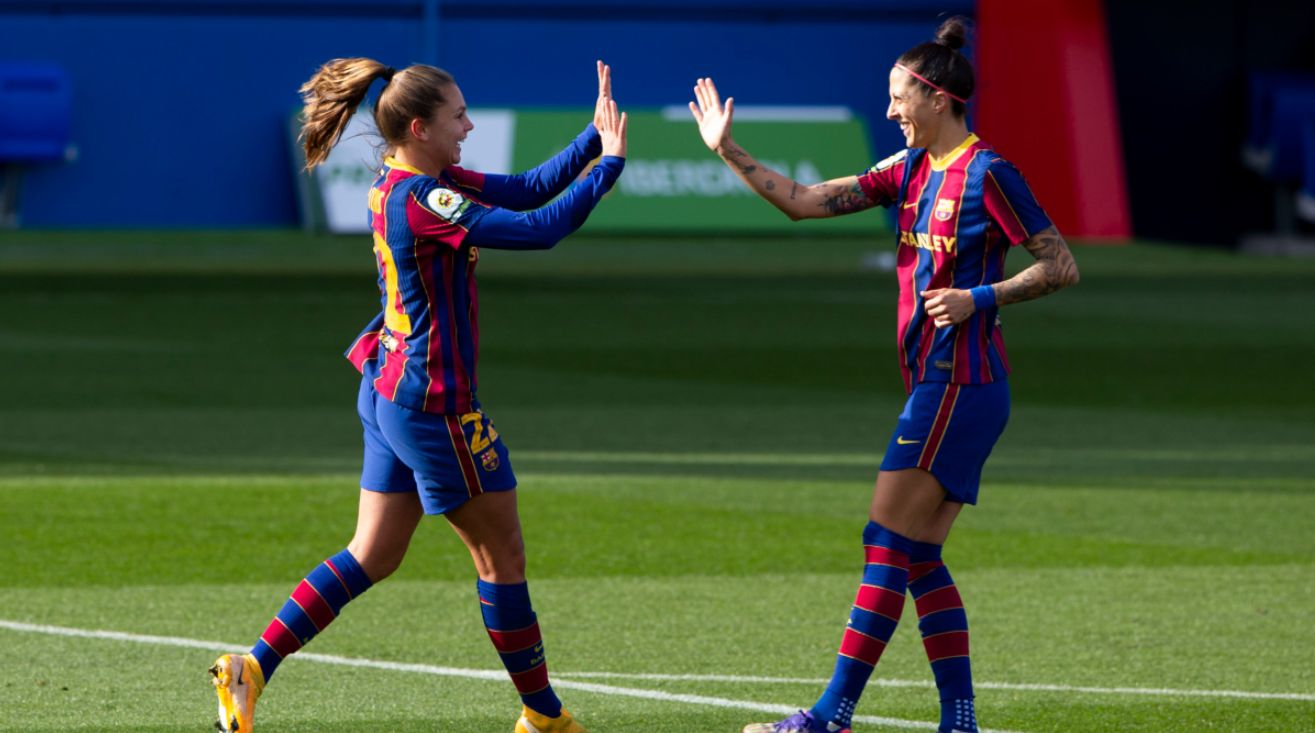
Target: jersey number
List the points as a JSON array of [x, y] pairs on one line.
[[479, 440], [395, 315]]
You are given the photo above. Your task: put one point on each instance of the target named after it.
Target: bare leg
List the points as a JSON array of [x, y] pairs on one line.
[[905, 501], [385, 524], [937, 527], [490, 526]]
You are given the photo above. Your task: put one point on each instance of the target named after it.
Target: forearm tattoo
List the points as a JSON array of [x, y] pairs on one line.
[[733, 154], [1054, 269], [842, 200]]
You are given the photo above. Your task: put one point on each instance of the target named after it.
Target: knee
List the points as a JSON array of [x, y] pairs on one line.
[[504, 563], [378, 563]]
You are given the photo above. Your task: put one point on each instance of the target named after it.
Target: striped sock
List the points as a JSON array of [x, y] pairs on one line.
[[514, 629], [944, 627], [876, 612], [315, 603]]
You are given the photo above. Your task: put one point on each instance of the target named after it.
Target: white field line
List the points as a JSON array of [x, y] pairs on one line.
[[566, 680], [478, 674], [1025, 687]]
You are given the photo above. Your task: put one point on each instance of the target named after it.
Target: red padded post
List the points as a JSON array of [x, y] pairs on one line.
[[1045, 100]]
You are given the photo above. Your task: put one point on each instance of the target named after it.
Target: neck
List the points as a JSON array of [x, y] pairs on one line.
[[418, 160], [952, 134]]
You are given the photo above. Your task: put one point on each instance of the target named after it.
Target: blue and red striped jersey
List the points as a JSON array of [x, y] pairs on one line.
[[421, 349], [957, 218]]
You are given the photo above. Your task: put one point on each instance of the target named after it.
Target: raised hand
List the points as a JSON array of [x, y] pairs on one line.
[[604, 93], [611, 126], [714, 119]]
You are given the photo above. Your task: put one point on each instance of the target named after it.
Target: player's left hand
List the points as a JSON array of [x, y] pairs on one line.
[[948, 306]]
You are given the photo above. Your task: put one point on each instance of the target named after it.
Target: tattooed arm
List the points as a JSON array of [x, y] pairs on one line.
[[797, 201], [1054, 269], [829, 198]]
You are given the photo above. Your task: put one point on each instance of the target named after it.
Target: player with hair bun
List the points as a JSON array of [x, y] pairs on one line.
[[429, 448], [960, 207]]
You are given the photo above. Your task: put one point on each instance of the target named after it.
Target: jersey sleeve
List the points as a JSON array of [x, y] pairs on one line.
[[1010, 203], [474, 180], [539, 185], [544, 227], [435, 211], [882, 181]]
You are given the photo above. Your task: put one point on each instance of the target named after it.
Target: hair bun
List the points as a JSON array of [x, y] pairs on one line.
[[953, 32]]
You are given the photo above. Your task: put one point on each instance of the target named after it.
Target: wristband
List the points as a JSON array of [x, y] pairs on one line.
[[983, 297]]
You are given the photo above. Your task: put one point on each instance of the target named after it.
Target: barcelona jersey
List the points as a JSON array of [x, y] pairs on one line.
[[420, 351], [957, 218]]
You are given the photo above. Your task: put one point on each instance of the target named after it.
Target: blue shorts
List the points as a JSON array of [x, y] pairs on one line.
[[446, 459], [949, 430]]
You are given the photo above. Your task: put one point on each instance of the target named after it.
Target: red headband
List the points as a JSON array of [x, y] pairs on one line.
[[924, 80]]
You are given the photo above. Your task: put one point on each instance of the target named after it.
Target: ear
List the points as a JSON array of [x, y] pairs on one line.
[[419, 130], [940, 102]]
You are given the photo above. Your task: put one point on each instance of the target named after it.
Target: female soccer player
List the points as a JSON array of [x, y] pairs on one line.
[[960, 207], [429, 449]]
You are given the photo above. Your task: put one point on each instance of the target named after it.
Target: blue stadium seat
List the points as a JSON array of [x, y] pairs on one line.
[[1260, 108], [1306, 196], [1280, 142], [1293, 104], [36, 110]]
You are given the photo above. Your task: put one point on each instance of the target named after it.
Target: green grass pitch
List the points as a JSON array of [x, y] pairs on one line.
[[696, 424]]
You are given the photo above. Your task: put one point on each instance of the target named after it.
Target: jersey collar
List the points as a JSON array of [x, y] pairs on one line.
[[392, 162], [940, 164]]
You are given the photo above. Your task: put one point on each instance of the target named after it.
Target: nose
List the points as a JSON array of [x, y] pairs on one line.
[[890, 112]]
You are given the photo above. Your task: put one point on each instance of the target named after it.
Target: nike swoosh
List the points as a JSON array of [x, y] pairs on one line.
[[909, 206], [901, 441]]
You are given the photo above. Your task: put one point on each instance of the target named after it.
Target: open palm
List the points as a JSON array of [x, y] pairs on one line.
[[604, 93], [714, 119]]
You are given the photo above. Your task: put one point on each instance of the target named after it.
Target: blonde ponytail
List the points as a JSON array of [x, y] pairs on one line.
[[338, 88], [331, 97]]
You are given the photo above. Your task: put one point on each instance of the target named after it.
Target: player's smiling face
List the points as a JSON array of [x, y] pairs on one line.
[[448, 127], [912, 110]]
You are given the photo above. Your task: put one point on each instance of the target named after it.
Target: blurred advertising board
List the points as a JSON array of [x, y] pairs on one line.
[[672, 182]]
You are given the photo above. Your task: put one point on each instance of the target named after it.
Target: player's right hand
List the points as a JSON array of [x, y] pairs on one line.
[[604, 93], [714, 119]]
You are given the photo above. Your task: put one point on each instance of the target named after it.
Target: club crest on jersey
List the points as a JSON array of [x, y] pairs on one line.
[[446, 203], [490, 460], [944, 209]]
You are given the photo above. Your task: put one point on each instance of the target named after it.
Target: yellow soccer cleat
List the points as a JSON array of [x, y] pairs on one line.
[[238, 682], [532, 722]]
